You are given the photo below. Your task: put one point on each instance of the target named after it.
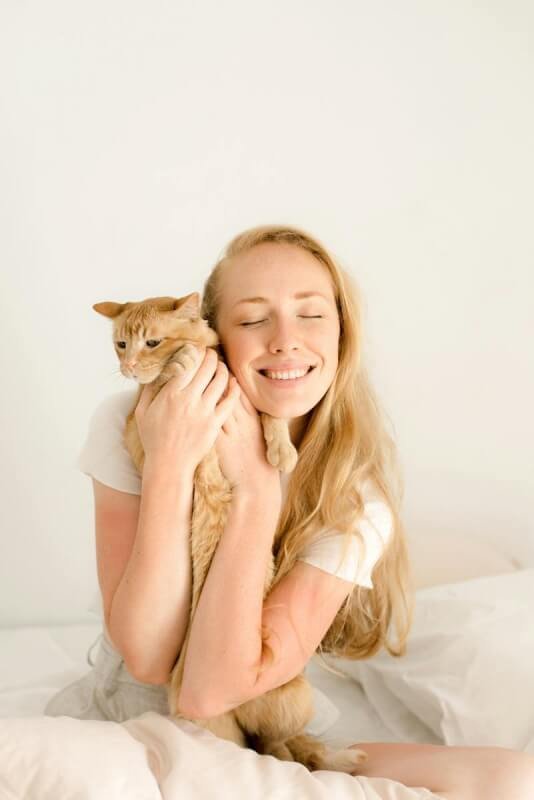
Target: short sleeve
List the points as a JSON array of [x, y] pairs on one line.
[[103, 455], [375, 525]]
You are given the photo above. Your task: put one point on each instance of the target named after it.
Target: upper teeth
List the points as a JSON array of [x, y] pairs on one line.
[[294, 373]]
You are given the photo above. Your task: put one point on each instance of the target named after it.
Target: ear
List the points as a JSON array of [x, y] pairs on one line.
[[189, 305], [109, 309]]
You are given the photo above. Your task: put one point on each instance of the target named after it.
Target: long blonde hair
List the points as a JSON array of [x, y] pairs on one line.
[[345, 443]]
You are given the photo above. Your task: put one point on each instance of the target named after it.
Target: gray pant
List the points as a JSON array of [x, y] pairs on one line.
[[108, 692]]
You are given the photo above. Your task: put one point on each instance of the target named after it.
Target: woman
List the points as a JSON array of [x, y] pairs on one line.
[[288, 320]]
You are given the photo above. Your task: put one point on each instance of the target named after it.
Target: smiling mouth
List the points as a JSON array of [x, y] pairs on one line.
[[288, 380]]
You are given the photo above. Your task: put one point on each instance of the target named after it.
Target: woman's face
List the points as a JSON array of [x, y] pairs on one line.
[[280, 332]]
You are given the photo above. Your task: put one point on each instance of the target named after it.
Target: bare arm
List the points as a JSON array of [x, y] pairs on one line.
[[225, 646], [145, 575], [225, 652], [147, 608]]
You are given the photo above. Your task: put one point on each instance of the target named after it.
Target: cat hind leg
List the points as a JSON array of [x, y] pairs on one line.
[[315, 754]]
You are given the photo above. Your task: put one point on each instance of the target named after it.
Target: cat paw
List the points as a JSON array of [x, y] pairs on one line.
[[282, 455], [346, 760], [188, 356], [361, 755], [183, 365], [176, 370]]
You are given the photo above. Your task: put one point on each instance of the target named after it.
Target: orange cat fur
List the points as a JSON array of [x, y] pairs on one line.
[[169, 338]]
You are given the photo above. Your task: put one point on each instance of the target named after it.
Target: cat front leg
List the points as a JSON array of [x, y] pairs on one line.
[[183, 364], [281, 453]]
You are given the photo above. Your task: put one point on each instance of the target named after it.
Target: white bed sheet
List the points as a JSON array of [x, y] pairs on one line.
[[37, 661]]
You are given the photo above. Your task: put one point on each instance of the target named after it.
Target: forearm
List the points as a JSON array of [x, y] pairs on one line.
[[150, 609], [225, 647]]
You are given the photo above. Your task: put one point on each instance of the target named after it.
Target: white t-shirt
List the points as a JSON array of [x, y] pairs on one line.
[[105, 457]]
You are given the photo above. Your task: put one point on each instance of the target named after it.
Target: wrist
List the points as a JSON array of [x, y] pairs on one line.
[[158, 471], [267, 489]]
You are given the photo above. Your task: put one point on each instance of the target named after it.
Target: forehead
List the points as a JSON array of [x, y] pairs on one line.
[[276, 272]]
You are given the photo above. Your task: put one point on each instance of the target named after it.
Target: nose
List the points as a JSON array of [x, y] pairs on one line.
[[284, 338], [130, 363]]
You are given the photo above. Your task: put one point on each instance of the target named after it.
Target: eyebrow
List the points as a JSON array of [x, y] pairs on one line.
[[297, 296]]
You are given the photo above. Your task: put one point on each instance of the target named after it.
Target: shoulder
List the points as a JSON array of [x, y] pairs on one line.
[[111, 412], [104, 455], [116, 405], [376, 512], [342, 554]]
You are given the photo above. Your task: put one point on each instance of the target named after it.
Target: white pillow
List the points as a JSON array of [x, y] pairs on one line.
[[59, 758], [468, 672], [438, 558]]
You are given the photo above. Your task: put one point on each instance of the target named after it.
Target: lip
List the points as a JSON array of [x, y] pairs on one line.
[[286, 366], [289, 383]]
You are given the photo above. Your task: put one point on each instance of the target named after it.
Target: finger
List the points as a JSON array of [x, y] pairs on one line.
[[218, 385], [231, 423], [145, 398], [229, 384], [247, 404], [225, 407], [243, 411], [204, 373]]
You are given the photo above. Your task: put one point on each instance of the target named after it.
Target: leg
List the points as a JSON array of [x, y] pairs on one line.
[[453, 773]]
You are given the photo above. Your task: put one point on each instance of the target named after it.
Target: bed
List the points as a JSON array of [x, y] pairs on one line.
[[465, 680]]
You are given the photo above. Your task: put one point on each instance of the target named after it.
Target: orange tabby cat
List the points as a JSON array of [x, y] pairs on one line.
[[168, 338]]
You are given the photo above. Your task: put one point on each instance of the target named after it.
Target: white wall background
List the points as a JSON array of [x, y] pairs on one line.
[[138, 138]]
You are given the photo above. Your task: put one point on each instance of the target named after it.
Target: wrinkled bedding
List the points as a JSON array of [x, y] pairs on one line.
[[59, 758], [154, 758], [465, 680]]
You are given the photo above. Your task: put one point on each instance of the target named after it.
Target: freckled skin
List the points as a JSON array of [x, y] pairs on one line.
[[286, 329]]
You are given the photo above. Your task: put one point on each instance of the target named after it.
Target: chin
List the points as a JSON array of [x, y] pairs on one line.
[[284, 410]]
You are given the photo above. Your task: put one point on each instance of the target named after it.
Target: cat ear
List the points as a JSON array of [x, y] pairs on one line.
[[109, 309], [189, 305]]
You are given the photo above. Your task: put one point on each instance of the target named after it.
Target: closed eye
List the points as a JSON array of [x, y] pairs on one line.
[[245, 324]]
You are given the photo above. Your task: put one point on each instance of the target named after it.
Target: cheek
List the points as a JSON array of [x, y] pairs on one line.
[[335, 344], [236, 356], [335, 355], [333, 359]]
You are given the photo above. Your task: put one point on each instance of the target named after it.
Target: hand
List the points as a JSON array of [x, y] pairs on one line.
[[179, 426], [241, 449]]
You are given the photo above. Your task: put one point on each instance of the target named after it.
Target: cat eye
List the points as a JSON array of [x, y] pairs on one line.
[[149, 343]]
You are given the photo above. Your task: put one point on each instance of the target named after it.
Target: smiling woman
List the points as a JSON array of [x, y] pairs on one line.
[[265, 326], [288, 321]]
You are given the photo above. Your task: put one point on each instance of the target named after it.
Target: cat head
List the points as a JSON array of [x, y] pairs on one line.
[[146, 334]]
